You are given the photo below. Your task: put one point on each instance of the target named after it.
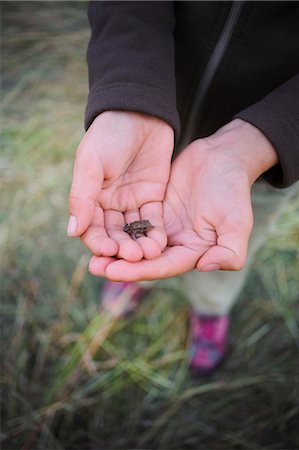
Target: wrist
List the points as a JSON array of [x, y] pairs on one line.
[[246, 145]]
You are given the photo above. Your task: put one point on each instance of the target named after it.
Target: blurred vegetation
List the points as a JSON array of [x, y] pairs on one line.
[[73, 378]]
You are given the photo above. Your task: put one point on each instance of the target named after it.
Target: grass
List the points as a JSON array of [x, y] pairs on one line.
[[72, 377]]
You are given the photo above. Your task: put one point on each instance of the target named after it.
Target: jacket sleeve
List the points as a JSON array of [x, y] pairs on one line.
[[277, 116], [131, 59]]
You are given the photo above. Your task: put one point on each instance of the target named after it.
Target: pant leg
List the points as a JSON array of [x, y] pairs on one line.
[[216, 292]]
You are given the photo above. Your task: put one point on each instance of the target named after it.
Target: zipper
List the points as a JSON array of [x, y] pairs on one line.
[[209, 73]]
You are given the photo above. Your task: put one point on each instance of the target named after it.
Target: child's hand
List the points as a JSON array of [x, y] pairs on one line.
[[207, 208], [120, 175]]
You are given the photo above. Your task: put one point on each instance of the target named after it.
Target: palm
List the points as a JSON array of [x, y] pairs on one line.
[[143, 180], [120, 175], [205, 202], [189, 232]]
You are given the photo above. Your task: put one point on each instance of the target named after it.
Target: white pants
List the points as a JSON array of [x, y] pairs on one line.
[[216, 292]]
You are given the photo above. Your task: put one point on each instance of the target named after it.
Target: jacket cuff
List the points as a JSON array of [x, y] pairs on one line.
[[131, 97]]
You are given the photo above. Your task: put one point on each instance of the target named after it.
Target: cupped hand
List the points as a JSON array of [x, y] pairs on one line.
[[207, 209], [120, 175]]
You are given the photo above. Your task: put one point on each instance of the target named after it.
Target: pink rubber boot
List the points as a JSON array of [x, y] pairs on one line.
[[121, 298], [208, 342]]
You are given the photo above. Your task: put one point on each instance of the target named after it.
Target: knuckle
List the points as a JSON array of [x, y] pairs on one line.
[[73, 198], [72, 195], [75, 195]]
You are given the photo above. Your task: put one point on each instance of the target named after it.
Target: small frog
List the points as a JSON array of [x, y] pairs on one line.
[[138, 228]]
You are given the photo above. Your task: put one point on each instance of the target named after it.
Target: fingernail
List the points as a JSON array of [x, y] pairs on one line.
[[210, 268], [72, 225]]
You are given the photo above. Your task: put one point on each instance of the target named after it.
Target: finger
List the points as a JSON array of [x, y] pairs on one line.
[[153, 211], [97, 265], [132, 215], [86, 186], [172, 262], [128, 249], [95, 237], [230, 253], [149, 246]]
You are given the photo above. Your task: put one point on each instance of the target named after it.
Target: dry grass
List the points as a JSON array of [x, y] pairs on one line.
[[73, 378]]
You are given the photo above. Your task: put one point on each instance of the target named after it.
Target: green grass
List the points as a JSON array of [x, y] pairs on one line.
[[73, 378]]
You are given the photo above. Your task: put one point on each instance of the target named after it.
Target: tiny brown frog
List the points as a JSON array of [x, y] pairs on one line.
[[138, 228]]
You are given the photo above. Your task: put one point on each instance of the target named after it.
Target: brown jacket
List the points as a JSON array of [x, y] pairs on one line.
[[199, 64]]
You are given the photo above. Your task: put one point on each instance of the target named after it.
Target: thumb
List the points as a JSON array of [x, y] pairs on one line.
[[84, 193], [230, 253]]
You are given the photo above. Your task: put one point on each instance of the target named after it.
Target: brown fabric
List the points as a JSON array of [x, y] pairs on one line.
[[150, 56]]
